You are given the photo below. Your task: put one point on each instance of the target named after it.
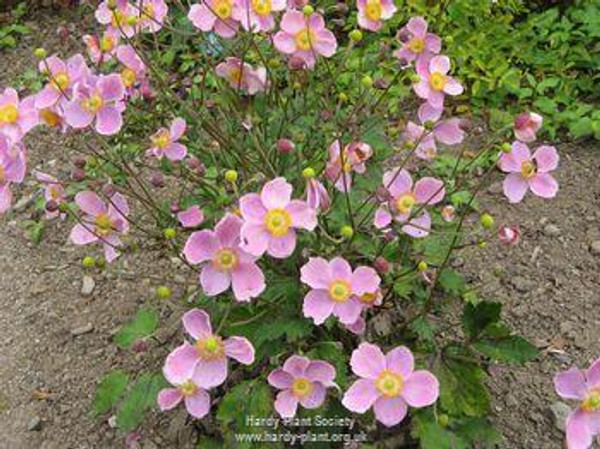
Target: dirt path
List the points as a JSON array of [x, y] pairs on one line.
[[57, 341]]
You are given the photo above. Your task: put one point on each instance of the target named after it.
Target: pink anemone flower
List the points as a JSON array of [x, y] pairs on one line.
[[341, 164], [368, 300], [102, 49], [206, 359], [434, 81], [257, 15], [12, 169], [241, 76], [304, 38], [372, 13], [584, 386], [101, 222], [17, 117], [152, 14], [191, 217], [529, 172], [336, 289], [317, 196], [215, 15], [388, 383], [100, 100], [271, 220], [224, 263], [62, 76], [165, 142], [135, 69], [405, 198], [527, 125], [122, 20], [187, 389], [53, 191], [417, 43], [301, 381]]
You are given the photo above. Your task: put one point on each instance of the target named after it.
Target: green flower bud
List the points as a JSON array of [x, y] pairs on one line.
[[40, 53], [429, 124], [63, 207], [422, 266], [347, 232], [367, 81], [443, 420], [449, 40], [355, 35], [170, 233], [342, 97], [231, 176], [487, 221], [482, 244], [163, 292], [506, 147], [101, 263], [308, 10], [308, 173], [88, 262]]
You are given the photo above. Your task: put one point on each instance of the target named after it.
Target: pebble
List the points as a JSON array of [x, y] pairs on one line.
[[34, 424], [595, 248], [551, 230], [521, 284], [495, 188], [560, 411], [87, 286], [89, 327]]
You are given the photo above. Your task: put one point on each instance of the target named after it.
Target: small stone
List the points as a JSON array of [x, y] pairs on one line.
[[34, 424], [496, 188], [457, 262], [551, 230], [86, 329], [595, 248], [521, 284], [560, 412], [87, 286]]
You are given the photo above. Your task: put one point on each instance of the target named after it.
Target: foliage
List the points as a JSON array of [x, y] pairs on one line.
[[11, 33]]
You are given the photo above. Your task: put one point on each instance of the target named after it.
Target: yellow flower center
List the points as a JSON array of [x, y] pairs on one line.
[[148, 11], [9, 114], [61, 81], [129, 77], [302, 387], [162, 138], [591, 402], [438, 81], [262, 7], [278, 222], [223, 9], [107, 43], [225, 260], [389, 384], [54, 193], [103, 224], [304, 39], [2, 174], [211, 348], [416, 45], [374, 10], [528, 169], [405, 203], [188, 388], [93, 104], [235, 76], [340, 290], [368, 298], [51, 119], [118, 19]]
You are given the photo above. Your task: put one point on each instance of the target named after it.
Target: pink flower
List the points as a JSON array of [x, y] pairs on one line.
[[417, 43], [526, 125], [354, 157], [527, 172], [62, 78], [271, 220], [368, 300], [99, 99], [389, 384], [12, 169], [224, 263], [407, 200], [317, 196], [584, 386], [301, 381], [448, 212], [101, 222], [241, 76], [187, 388], [336, 289], [304, 37], [53, 191], [165, 142], [122, 20], [102, 49], [256, 15], [508, 235], [152, 14], [191, 217], [372, 13], [135, 69], [17, 117], [435, 82], [206, 360], [215, 15]]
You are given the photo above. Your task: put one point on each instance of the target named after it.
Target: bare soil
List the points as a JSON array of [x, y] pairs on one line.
[[549, 285]]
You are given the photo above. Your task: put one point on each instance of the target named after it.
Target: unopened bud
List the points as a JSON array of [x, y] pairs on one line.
[[285, 146]]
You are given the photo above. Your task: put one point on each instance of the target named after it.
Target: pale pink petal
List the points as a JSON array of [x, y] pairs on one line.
[[546, 158], [168, 399], [390, 411], [180, 364], [579, 435], [382, 218], [175, 151], [449, 132], [248, 281], [316, 273], [240, 349], [202, 17], [348, 311], [178, 128], [213, 281], [293, 22], [592, 375], [280, 379], [423, 89], [47, 97], [296, 365], [427, 113], [317, 305], [284, 42], [303, 216], [109, 121], [209, 374], [544, 185], [417, 26], [198, 405], [440, 64], [453, 87], [397, 182], [83, 234], [368, 361], [340, 269], [418, 227], [90, 203], [197, 323], [515, 187], [190, 218], [364, 280], [316, 397], [255, 238], [252, 208], [228, 230], [429, 191], [513, 161], [571, 384], [276, 194], [282, 247], [201, 246], [361, 396], [433, 43], [320, 371], [111, 87], [286, 404], [420, 389], [400, 360], [325, 44]]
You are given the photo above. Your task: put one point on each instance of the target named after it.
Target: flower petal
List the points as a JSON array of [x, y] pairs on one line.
[[421, 389], [276, 194], [303, 216], [280, 379], [248, 281], [168, 398], [515, 187], [320, 371], [316, 397], [286, 404], [198, 405], [316, 273], [390, 411], [400, 360], [209, 374], [180, 364], [282, 247], [571, 384], [240, 349], [201, 246], [196, 322], [214, 281], [317, 305], [296, 365], [544, 185], [368, 361], [361, 396]]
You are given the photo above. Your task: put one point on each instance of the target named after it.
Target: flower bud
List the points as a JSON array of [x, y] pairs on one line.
[[487, 221], [307, 10], [174, 207], [79, 162], [51, 206], [409, 145], [355, 35], [157, 180], [139, 346], [449, 40], [88, 262], [231, 176], [78, 175], [381, 84], [326, 115], [443, 420], [482, 244], [285, 146], [308, 173], [274, 63], [40, 53], [101, 263], [109, 190], [170, 233], [422, 266], [296, 63], [508, 235], [347, 232], [367, 81], [163, 292], [506, 147], [342, 97], [382, 265], [428, 125]]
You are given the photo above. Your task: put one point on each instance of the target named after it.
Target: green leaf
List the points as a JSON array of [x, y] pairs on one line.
[[479, 432], [476, 317], [452, 282], [111, 388], [512, 349], [140, 399], [143, 325]]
